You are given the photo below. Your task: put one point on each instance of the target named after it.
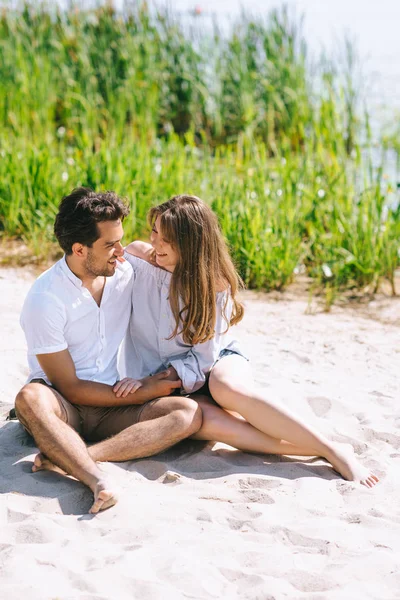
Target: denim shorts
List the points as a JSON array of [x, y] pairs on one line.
[[226, 352]]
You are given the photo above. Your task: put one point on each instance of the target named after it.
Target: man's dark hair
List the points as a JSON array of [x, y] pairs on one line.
[[79, 213]]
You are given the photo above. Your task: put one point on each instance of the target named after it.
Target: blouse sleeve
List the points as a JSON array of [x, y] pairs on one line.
[[193, 367]]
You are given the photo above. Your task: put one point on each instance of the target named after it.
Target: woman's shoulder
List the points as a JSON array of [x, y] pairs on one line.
[[222, 288]]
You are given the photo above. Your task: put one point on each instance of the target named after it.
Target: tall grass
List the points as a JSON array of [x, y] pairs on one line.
[[132, 103]]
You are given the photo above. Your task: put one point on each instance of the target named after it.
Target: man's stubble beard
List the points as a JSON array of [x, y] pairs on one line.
[[94, 270]]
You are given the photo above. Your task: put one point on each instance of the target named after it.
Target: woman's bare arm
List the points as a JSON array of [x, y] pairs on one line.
[[141, 250]]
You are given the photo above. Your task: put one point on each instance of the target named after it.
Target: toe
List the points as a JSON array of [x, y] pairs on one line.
[[37, 463], [103, 501], [95, 507]]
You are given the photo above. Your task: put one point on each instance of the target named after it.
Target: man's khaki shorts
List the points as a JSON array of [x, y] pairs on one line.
[[95, 423]]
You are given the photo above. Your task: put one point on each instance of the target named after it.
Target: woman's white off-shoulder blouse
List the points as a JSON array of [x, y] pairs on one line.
[[147, 350]]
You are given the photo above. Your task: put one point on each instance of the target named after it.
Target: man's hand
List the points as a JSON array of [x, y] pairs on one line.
[[172, 374], [161, 384]]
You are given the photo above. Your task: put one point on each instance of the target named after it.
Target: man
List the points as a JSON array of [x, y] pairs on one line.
[[74, 318]]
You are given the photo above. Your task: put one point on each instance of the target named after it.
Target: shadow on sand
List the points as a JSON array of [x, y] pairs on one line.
[[190, 459]]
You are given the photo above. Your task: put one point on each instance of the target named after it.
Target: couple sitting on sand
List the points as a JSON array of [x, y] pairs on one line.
[[171, 305]]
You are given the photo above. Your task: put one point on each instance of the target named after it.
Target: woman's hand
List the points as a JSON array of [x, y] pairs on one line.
[[126, 386]]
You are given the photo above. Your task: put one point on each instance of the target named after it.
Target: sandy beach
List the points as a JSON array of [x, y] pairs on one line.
[[204, 520]]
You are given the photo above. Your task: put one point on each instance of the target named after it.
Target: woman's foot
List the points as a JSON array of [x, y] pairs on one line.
[[341, 457], [42, 463]]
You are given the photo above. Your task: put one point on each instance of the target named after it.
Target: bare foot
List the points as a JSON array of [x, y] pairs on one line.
[[346, 464], [104, 497], [42, 463]]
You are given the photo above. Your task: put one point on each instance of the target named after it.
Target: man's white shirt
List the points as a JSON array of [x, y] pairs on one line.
[[59, 313]]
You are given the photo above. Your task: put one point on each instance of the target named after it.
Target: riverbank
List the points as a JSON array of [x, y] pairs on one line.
[[210, 522]]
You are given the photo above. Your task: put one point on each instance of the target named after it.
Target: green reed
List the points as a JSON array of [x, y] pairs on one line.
[[133, 103]]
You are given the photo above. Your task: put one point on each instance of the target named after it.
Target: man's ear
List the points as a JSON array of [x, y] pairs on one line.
[[79, 250]]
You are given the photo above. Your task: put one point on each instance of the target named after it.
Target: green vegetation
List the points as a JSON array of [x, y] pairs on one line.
[[134, 104]]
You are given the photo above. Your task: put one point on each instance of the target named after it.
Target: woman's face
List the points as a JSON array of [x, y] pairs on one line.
[[166, 256]]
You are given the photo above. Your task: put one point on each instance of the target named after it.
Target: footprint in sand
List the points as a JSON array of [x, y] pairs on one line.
[[258, 483], [307, 544], [362, 418], [381, 396], [204, 516], [247, 581], [257, 496], [310, 582], [319, 405], [376, 513], [353, 519], [390, 438]]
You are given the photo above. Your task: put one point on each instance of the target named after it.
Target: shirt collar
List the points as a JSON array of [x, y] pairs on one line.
[[78, 282], [67, 271]]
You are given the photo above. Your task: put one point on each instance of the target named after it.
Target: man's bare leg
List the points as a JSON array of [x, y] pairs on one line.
[[38, 408], [163, 423]]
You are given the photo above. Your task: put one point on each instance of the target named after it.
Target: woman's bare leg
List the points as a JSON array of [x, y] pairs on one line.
[[232, 387], [222, 426]]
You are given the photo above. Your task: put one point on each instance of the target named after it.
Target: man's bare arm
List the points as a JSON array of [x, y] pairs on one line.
[[60, 369]]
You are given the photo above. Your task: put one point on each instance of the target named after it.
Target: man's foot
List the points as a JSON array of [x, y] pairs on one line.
[[42, 463], [104, 497], [345, 463]]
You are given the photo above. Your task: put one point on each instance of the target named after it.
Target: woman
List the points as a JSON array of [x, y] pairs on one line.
[[182, 317]]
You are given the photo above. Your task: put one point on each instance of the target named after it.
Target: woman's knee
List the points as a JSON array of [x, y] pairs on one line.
[[213, 422], [228, 386]]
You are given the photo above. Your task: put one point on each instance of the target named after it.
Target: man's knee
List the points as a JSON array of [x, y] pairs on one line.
[[26, 398], [187, 415], [31, 399]]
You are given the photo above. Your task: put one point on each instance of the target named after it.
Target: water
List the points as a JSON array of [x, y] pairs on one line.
[[372, 24]]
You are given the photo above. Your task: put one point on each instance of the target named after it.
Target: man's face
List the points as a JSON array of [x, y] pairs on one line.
[[101, 258]]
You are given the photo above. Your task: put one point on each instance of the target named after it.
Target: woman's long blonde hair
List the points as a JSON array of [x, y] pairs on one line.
[[204, 267]]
